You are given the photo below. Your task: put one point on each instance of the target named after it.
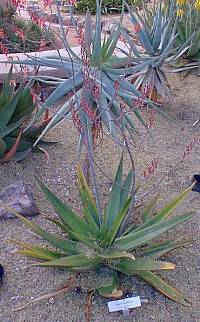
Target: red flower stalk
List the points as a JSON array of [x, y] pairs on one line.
[[47, 3], [18, 32], [34, 96], [189, 148], [4, 50], [137, 28], [87, 109], [139, 101], [24, 70], [42, 45], [151, 120], [19, 3], [13, 82], [151, 168], [76, 120], [39, 21], [73, 2], [2, 33], [96, 91], [116, 85]]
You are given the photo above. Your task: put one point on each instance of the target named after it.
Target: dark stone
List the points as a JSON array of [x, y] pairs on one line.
[[18, 197], [196, 187], [1, 272], [186, 115]]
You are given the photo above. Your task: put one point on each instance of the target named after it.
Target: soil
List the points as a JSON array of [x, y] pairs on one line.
[[166, 142]]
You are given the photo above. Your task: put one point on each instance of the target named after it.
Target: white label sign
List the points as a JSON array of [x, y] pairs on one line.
[[125, 304]]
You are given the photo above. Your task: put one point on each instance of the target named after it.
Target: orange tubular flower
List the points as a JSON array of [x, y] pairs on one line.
[[73, 2], [2, 33], [137, 28]]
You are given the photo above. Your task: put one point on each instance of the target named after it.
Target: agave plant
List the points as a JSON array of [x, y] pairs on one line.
[[155, 30], [95, 82], [97, 240], [16, 108]]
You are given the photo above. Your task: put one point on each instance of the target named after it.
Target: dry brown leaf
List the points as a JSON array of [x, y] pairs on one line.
[[70, 284]]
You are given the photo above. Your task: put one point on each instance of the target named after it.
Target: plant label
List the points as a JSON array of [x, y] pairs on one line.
[[124, 305]]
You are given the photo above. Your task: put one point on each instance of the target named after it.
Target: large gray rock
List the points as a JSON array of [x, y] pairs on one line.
[[18, 197]]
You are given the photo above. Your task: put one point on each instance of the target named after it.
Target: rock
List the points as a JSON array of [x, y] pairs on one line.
[[196, 179], [18, 197], [1, 272], [186, 115]]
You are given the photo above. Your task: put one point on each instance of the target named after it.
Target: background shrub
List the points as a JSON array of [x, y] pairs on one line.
[[83, 5], [21, 35], [7, 8]]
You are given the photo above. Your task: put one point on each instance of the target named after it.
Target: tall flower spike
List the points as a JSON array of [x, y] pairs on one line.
[[2, 34], [180, 13], [137, 28], [180, 2], [197, 4]]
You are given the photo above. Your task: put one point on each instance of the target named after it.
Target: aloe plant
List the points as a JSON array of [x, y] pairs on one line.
[[95, 81], [155, 30], [188, 25], [16, 108], [97, 241]]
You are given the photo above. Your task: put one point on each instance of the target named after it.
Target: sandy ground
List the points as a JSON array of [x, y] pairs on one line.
[[167, 142]]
